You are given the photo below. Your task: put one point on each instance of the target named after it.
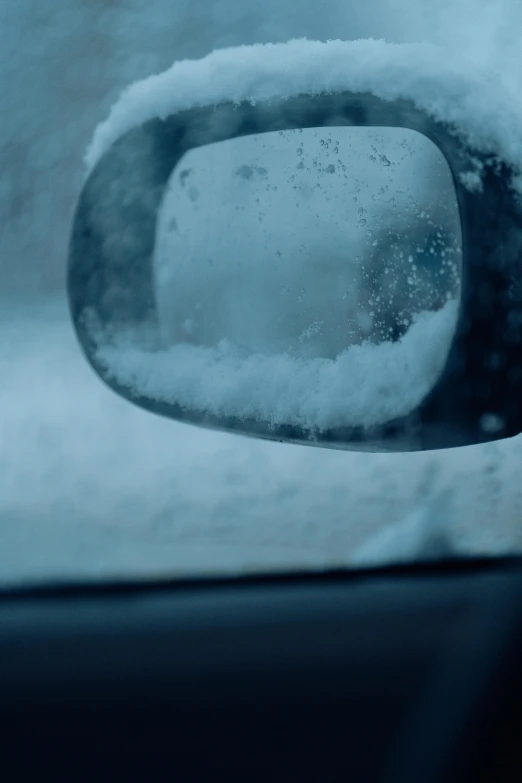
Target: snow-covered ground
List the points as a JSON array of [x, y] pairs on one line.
[[90, 486]]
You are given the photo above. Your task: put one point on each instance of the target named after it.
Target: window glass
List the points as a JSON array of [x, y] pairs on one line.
[[91, 487]]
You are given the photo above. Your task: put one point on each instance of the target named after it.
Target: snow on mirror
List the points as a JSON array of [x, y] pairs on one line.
[[307, 277]]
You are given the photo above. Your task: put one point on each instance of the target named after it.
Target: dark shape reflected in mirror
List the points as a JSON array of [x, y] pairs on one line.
[[308, 278]]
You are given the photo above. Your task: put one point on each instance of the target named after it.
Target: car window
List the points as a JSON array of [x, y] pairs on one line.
[[91, 487]]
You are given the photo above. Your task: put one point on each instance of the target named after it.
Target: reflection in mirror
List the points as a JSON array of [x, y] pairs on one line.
[[306, 277]]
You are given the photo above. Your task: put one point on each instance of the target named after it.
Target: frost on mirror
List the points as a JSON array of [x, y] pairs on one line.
[[306, 277]]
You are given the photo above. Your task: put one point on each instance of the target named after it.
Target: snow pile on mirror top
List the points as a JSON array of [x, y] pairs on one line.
[[442, 82], [366, 385]]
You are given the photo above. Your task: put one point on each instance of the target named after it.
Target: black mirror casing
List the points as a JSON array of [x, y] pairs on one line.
[[478, 396]]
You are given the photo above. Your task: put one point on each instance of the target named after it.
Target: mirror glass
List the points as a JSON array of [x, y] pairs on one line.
[[308, 277]]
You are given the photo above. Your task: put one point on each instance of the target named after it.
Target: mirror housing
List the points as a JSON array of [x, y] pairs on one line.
[[478, 396]]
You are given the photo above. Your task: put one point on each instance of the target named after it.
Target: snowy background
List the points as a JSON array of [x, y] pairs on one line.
[[90, 486]]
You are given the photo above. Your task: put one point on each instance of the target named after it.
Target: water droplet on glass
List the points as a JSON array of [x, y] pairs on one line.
[[365, 321], [355, 198], [492, 422], [362, 222], [299, 151], [384, 160]]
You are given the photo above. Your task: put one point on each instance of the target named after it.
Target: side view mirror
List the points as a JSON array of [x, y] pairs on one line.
[[321, 269]]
